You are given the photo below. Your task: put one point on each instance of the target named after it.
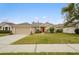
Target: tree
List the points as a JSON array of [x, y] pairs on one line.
[[71, 12]]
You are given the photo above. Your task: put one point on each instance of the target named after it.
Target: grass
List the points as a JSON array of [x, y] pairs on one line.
[[42, 53], [55, 38], [3, 35]]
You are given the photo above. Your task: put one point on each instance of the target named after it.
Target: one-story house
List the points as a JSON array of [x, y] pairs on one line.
[[24, 28]]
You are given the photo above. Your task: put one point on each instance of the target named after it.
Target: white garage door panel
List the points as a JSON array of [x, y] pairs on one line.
[[22, 31]]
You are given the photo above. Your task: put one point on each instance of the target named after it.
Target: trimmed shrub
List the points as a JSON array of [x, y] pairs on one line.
[[59, 31], [77, 31], [11, 33], [51, 30], [37, 31], [5, 31], [47, 31]]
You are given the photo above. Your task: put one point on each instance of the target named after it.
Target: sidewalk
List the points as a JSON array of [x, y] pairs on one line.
[[39, 48]]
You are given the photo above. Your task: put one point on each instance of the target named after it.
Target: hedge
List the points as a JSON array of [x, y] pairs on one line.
[[77, 31], [5, 31]]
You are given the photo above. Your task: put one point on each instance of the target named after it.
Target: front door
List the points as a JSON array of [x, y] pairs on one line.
[[43, 29]]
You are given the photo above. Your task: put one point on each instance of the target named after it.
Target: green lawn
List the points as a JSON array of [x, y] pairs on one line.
[[3, 35], [55, 38]]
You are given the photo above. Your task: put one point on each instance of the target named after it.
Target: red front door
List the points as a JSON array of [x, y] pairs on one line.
[[42, 29]]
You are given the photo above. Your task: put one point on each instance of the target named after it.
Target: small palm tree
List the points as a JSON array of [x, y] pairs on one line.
[[71, 12]]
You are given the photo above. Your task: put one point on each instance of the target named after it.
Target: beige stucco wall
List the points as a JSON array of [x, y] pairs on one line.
[[69, 30]]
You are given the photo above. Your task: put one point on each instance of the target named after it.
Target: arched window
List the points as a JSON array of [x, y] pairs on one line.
[[0, 27], [6, 28]]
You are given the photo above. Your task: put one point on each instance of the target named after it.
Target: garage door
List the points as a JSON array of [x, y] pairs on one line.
[[22, 30]]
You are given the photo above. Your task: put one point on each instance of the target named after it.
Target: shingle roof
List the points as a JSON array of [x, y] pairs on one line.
[[34, 24], [3, 23]]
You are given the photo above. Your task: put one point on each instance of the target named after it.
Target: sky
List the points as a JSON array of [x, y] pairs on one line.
[[29, 12]]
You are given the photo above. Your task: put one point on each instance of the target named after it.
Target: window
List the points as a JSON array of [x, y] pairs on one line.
[[6, 28], [77, 25], [0, 27]]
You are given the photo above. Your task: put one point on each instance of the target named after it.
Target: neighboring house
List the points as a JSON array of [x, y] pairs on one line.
[[70, 28], [42, 26], [16, 28], [7, 26]]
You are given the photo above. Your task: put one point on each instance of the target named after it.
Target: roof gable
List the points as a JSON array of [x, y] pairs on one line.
[[4, 23]]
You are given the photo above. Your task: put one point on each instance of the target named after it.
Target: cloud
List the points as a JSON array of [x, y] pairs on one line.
[[36, 18], [43, 17]]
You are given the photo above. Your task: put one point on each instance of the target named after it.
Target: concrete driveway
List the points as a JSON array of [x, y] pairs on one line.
[[11, 38]]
